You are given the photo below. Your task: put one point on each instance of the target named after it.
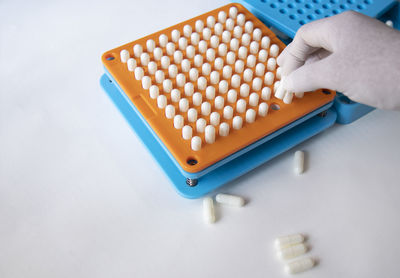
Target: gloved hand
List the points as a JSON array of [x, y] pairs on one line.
[[350, 53]]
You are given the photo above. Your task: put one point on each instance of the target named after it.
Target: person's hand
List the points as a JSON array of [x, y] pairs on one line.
[[350, 53]]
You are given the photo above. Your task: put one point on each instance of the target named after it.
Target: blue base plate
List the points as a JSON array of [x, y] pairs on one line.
[[230, 170]]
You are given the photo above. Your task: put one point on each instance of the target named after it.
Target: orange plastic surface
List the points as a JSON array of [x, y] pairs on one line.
[[223, 146]]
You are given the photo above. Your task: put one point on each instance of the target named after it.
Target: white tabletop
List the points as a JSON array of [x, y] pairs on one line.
[[80, 196]]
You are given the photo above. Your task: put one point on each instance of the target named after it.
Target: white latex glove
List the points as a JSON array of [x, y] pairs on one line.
[[350, 53]]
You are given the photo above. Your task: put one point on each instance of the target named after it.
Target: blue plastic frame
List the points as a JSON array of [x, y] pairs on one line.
[[283, 140]]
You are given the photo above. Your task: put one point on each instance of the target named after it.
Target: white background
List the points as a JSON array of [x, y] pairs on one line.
[[81, 197]]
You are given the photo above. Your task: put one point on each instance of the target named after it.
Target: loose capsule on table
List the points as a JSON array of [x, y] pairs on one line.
[[298, 162], [230, 200], [299, 265], [292, 251], [288, 240], [208, 210]]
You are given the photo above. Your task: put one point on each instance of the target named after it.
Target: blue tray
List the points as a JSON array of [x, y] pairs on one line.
[[280, 142]]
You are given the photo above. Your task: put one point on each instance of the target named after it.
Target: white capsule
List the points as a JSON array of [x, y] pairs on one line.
[[242, 53], [279, 73], [240, 20], [244, 90], [254, 47], [218, 29], [178, 121], [124, 55], [271, 64], [209, 134], [175, 95], [299, 265], [154, 91], [167, 85], [251, 61], [237, 32], [223, 87], [210, 92], [222, 16], [227, 72], [248, 27], [233, 11], [180, 80], [178, 56], [175, 35], [219, 102], [253, 99], [257, 33], [202, 83], [260, 69], [248, 75], [218, 63], [146, 82], [223, 129], [235, 81], [202, 47], [250, 116], [389, 23], [170, 48], [229, 24], [187, 31], [137, 50], [214, 41], [257, 84], [226, 36], [201, 125], [131, 63], [199, 25], [159, 76], [197, 99], [193, 74], [185, 65], [234, 44], [228, 112], [299, 94], [165, 62], [276, 85], [187, 132], [287, 99], [150, 45], [214, 118], [265, 42], [152, 67], [287, 240], [195, 39], [222, 49], [210, 21], [169, 111], [210, 55], [183, 105], [139, 73], [182, 43], [298, 162], [266, 93], [161, 101], [214, 77], [274, 50], [239, 66], [196, 143], [232, 96], [269, 78], [198, 60], [241, 106], [157, 53], [246, 39], [206, 69], [163, 40], [229, 200], [280, 92], [237, 122], [144, 59], [192, 115], [292, 251], [206, 34], [263, 109], [205, 108], [262, 56]]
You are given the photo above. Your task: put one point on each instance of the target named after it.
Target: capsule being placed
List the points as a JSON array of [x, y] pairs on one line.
[[229, 200], [299, 265]]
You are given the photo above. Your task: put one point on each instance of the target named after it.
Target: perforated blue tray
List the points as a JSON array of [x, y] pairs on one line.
[[289, 15]]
